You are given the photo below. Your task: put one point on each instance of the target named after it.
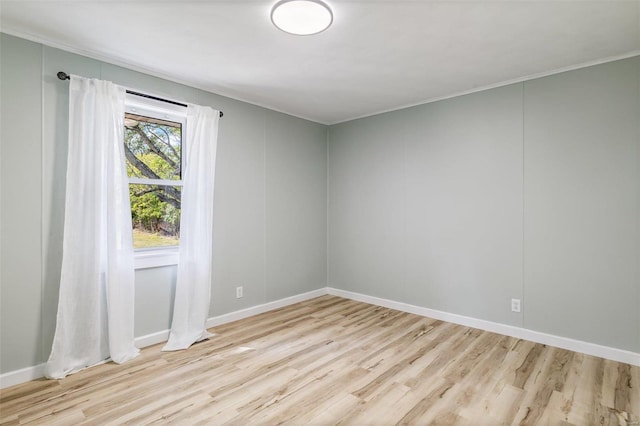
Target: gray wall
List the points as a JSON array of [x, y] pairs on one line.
[[270, 205], [529, 191], [21, 204], [582, 204], [425, 205]]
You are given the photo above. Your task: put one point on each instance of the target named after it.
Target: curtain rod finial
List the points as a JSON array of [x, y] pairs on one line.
[[63, 75]]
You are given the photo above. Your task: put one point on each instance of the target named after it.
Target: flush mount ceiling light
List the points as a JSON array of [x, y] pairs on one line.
[[301, 17]]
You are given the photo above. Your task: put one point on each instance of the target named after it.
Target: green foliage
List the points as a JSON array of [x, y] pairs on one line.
[[150, 212], [146, 208]]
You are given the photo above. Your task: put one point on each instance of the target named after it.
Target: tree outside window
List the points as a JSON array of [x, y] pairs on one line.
[[153, 149]]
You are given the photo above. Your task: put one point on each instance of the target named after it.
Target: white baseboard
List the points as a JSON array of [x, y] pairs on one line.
[[606, 352], [265, 307], [20, 376], [152, 339]]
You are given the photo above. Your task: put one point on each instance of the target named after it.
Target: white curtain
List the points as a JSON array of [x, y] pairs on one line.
[[95, 309], [193, 287]]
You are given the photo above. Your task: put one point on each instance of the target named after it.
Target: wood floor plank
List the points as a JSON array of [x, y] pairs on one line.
[[480, 380], [501, 405], [550, 379], [336, 361]]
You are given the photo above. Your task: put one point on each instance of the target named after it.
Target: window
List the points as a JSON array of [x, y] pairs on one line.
[[154, 148]]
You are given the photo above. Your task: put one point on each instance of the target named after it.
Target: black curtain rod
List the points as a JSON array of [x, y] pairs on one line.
[[64, 76]]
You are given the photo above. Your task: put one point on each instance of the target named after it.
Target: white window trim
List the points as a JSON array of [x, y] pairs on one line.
[[155, 257], [167, 182]]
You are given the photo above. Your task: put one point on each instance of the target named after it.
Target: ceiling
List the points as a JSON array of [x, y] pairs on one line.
[[377, 56]]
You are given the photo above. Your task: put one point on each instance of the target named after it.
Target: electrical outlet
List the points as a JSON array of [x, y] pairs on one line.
[[515, 305], [238, 292]]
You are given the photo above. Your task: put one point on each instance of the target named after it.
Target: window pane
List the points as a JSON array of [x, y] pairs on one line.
[[155, 213], [153, 147]]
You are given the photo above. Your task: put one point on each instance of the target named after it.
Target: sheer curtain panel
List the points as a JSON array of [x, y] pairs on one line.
[[95, 309], [193, 286]]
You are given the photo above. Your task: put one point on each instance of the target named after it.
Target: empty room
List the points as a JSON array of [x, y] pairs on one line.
[[355, 212]]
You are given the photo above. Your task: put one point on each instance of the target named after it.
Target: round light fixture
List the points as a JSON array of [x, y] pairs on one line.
[[301, 17]]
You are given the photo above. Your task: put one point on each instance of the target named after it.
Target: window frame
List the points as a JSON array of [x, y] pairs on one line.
[[153, 257]]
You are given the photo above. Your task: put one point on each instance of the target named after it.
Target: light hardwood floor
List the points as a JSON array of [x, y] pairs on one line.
[[335, 361]]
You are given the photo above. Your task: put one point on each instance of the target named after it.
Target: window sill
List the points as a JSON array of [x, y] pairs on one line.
[[154, 258]]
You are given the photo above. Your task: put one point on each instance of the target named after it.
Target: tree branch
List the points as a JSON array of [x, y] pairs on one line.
[[153, 147], [168, 143]]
